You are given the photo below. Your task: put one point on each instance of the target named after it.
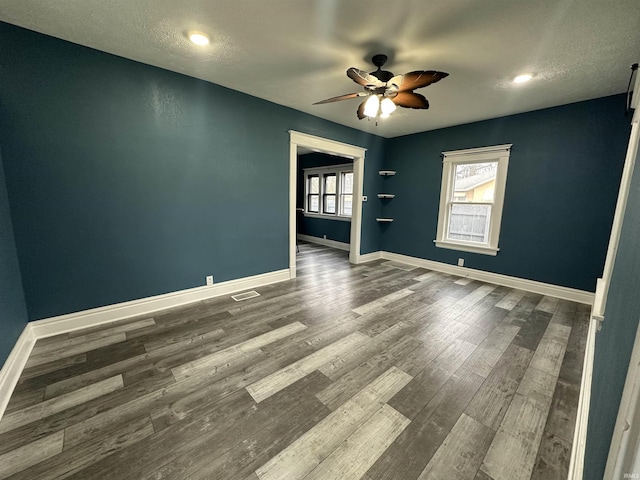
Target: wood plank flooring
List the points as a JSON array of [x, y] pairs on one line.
[[376, 371]]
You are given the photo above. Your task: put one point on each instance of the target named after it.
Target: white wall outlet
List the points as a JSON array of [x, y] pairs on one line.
[[364, 198], [209, 279], [461, 262], [324, 236]]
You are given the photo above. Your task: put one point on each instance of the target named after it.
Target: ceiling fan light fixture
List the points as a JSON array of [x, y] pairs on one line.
[[371, 106], [524, 78], [199, 38], [387, 107]]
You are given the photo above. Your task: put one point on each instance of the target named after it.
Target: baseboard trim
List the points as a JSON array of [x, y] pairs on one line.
[[576, 464], [12, 368], [324, 241], [97, 316], [565, 293], [368, 257]]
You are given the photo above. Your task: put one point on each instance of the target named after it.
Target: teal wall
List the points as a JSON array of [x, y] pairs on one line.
[[338, 230], [614, 342], [127, 181], [564, 172], [13, 312]]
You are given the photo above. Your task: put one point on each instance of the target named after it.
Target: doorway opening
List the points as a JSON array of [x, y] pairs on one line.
[[304, 143]]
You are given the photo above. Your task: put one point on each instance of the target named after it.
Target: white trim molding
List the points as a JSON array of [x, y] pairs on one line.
[[369, 257], [621, 205], [576, 465], [39, 329], [97, 316], [319, 144], [324, 241], [12, 369], [565, 293], [498, 154]]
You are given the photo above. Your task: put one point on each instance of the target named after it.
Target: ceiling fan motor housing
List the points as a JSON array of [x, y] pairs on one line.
[[382, 75]]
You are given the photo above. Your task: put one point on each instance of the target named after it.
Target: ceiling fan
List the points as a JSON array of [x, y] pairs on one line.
[[385, 92]]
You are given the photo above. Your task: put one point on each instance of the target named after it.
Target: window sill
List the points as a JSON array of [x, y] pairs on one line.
[[327, 217], [465, 247]]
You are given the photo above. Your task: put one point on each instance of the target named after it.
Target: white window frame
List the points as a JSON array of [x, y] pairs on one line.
[[497, 153], [336, 170]]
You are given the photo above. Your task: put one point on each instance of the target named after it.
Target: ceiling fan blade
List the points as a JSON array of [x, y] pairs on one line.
[[420, 78], [341, 97], [363, 78], [410, 100], [360, 111]]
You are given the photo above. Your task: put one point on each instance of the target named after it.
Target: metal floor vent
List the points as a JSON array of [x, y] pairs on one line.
[[245, 296], [400, 266]]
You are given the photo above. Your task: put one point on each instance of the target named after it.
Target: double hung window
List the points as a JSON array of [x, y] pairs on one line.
[[471, 199]]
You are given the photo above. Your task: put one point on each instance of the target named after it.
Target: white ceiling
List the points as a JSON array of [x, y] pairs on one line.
[[296, 52]]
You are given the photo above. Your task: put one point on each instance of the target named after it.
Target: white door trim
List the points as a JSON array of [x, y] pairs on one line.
[[298, 139]]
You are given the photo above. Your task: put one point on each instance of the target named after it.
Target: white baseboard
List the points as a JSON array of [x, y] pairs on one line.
[[324, 241], [369, 257], [533, 286], [97, 316], [576, 465], [38, 329], [14, 365]]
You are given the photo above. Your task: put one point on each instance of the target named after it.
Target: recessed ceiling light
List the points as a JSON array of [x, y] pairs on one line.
[[525, 77], [199, 38]]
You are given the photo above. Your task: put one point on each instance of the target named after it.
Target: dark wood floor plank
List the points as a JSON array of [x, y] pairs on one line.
[[53, 366], [552, 462], [532, 329], [426, 385], [562, 417], [461, 453], [494, 397]]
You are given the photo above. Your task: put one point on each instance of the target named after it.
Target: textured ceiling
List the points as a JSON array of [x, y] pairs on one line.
[[296, 52]]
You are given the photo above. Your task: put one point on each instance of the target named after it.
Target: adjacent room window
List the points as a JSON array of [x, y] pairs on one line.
[[346, 193], [329, 191], [471, 199], [313, 193]]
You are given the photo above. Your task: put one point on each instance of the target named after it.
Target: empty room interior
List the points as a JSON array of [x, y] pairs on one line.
[[319, 240]]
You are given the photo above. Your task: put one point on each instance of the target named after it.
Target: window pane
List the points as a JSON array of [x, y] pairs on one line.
[[314, 184], [330, 183], [469, 223], [314, 203], [347, 182], [475, 182], [329, 204], [347, 205]]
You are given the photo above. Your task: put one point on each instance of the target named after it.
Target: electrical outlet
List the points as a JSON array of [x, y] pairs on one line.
[[324, 236], [461, 262], [209, 279]]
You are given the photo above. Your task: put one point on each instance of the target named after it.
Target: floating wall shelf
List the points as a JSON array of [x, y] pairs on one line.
[[386, 196]]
